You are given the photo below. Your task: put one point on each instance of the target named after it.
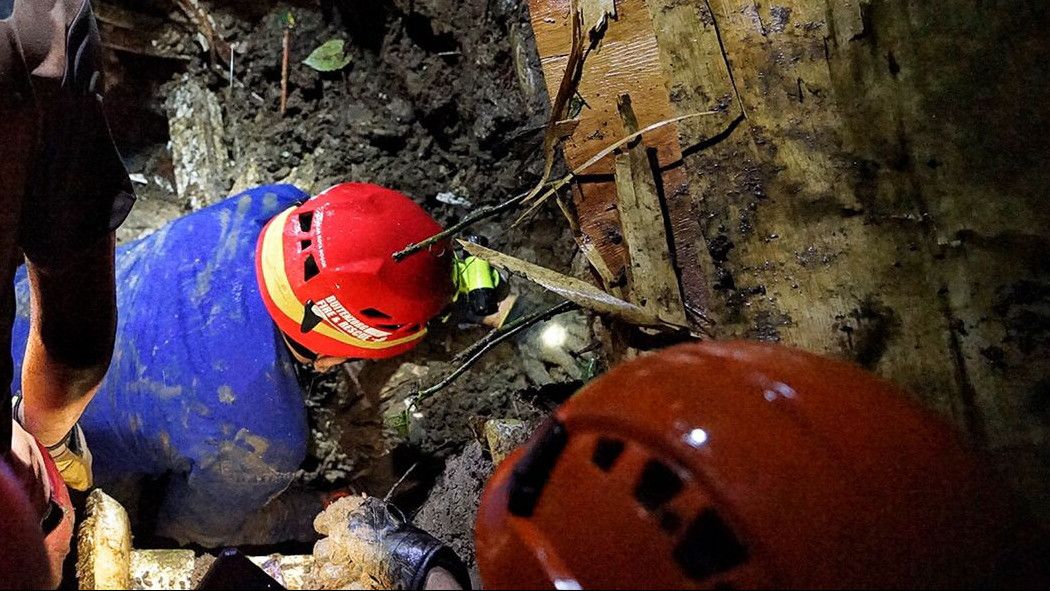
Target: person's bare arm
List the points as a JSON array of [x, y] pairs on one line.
[[70, 344]]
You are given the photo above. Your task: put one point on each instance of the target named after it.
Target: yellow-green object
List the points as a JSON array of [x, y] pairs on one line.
[[473, 273], [477, 279]]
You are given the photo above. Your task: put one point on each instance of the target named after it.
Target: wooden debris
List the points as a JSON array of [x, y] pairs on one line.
[[652, 283], [108, 13], [552, 189], [504, 436], [570, 288], [130, 31], [207, 28], [137, 42], [629, 61], [104, 545], [198, 148]]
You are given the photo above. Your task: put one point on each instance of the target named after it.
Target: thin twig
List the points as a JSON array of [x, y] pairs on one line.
[[284, 69], [478, 215], [570, 80], [558, 184], [495, 337], [398, 483], [552, 188]]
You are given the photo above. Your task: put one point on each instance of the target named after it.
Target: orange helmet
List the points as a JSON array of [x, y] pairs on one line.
[[744, 465], [329, 280]]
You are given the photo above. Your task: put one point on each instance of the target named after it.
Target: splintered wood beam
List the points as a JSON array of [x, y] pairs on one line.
[[652, 280]]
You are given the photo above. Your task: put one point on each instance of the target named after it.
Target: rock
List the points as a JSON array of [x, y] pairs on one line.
[[504, 436], [104, 545], [198, 145], [162, 569], [293, 571], [552, 351]]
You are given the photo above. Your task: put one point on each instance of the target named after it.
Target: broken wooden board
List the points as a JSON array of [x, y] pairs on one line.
[[652, 281], [141, 34], [801, 265], [626, 61]]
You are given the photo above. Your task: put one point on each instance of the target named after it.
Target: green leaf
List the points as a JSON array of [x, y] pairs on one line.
[[328, 57]]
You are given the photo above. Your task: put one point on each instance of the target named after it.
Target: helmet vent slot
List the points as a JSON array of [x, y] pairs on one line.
[[670, 521], [389, 326], [657, 485], [305, 220], [606, 452], [709, 547], [530, 476], [304, 244], [373, 313], [310, 269]]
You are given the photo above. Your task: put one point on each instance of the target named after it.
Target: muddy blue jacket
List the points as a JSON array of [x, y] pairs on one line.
[[199, 388]]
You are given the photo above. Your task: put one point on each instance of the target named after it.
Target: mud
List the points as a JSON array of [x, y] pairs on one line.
[[452, 508], [443, 101]]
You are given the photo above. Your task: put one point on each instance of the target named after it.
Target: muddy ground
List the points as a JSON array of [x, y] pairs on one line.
[[443, 101]]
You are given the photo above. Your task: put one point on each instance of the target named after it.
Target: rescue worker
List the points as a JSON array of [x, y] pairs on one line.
[[216, 307], [60, 202], [731, 465]]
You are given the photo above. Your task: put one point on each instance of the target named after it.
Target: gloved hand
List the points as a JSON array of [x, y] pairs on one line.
[[370, 545], [71, 455]]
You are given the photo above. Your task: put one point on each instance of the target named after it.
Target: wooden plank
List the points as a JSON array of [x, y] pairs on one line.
[[868, 195], [652, 281], [628, 61], [797, 260]]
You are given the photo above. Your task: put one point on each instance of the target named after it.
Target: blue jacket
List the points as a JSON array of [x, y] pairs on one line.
[[200, 386]]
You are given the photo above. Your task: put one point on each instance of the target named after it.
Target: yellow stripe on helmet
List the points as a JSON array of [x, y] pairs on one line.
[[280, 290]]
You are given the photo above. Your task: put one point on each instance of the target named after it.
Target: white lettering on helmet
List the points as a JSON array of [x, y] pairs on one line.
[[319, 237], [333, 311]]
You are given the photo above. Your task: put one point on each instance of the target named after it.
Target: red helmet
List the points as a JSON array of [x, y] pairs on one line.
[[745, 465], [329, 281], [27, 559]]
